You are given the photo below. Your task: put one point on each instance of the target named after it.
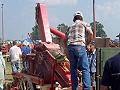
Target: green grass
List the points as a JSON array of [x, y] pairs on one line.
[[8, 71]]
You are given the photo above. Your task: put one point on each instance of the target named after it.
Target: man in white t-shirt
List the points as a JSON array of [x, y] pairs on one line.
[[15, 54]]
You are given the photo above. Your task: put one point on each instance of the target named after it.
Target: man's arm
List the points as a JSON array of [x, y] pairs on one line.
[[65, 42], [90, 34]]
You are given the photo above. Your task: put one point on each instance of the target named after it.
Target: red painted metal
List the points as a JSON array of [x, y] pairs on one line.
[[43, 65], [34, 79], [56, 32], [31, 58], [61, 72], [43, 52], [42, 20], [43, 24]]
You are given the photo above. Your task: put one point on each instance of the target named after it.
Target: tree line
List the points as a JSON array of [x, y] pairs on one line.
[[100, 32]]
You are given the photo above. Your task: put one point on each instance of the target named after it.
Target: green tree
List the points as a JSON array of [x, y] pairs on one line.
[[99, 29], [62, 27], [35, 34]]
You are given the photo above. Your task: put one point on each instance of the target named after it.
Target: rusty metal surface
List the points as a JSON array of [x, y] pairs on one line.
[[43, 64], [34, 79], [47, 64]]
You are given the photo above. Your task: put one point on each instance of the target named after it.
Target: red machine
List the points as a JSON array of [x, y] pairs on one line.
[[47, 65], [5, 48]]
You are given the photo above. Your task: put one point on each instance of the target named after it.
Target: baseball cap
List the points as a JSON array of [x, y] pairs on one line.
[[78, 13], [25, 43]]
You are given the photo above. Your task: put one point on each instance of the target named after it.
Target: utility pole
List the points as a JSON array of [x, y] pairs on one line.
[[2, 25], [94, 20], [94, 36]]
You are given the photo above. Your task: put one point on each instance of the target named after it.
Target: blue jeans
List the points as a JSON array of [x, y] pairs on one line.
[[25, 64], [78, 58], [15, 66]]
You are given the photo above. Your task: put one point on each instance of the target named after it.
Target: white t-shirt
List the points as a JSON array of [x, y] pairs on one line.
[[15, 53]]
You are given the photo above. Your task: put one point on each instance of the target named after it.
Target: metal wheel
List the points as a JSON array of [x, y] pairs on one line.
[[25, 84]]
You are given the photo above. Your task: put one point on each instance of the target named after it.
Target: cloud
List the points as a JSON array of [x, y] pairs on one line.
[[58, 2], [108, 13], [109, 8]]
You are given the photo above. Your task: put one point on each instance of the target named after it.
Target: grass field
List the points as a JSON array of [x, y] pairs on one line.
[[8, 71]]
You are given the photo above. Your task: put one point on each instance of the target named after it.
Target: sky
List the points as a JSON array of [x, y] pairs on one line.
[[19, 15]]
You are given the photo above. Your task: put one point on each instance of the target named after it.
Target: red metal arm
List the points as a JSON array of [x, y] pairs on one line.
[[43, 24], [56, 32]]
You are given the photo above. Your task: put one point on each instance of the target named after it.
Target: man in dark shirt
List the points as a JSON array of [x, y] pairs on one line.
[[111, 74]]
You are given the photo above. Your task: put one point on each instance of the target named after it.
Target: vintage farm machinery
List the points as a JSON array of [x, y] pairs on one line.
[[47, 65]]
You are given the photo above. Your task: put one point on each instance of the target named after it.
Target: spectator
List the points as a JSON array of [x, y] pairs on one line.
[[92, 62], [2, 70], [15, 55], [25, 50], [77, 50], [111, 74]]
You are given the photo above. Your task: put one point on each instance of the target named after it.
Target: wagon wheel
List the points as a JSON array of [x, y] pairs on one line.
[[25, 83]]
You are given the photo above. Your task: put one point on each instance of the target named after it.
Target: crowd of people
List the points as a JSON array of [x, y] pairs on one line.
[[17, 53]]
